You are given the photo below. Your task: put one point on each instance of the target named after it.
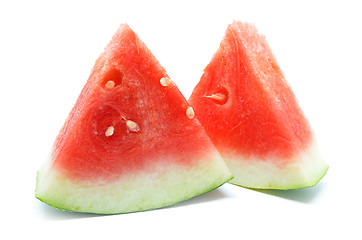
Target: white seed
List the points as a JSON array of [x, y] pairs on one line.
[[110, 84], [109, 131], [190, 113], [165, 81], [132, 126], [216, 96]]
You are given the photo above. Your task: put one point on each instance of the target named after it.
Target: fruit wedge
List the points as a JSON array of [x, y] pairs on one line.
[[131, 142], [252, 116]]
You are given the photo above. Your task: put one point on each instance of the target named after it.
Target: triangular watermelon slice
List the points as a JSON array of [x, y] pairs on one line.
[[131, 142], [252, 116]]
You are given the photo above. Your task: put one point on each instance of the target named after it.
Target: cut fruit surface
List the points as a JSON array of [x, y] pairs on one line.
[[252, 116], [128, 144]]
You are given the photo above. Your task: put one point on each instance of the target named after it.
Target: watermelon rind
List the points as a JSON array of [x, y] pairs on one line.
[[304, 170], [161, 185]]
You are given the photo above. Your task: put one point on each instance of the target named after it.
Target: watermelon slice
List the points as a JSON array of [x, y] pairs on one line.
[[252, 116], [131, 142]]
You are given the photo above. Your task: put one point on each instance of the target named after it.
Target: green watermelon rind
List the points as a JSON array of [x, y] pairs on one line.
[[305, 170], [207, 176], [290, 187], [143, 210]]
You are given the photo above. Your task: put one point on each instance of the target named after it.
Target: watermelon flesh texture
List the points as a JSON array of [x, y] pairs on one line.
[[130, 142], [252, 116]]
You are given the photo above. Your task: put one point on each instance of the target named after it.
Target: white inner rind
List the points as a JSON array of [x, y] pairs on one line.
[[161, 185], [305, 170]]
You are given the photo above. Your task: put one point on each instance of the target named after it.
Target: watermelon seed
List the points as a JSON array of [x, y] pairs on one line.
[[165, 81], [132, 126], [112, 78], [190, 113], [109, 131], [220, 96], [110, 84]]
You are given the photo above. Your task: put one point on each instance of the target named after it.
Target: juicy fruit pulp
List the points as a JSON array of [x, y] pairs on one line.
[[252, 116], [129, 143]]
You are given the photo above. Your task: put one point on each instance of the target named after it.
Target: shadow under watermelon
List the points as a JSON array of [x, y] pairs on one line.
[[213, 195], [50, 213], [304, 195]]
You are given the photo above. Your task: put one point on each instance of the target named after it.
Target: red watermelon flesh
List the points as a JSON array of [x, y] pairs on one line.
[[252, 116], [131, 142]]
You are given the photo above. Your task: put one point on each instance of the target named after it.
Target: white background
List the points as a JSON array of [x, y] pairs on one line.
[[47, 50]]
